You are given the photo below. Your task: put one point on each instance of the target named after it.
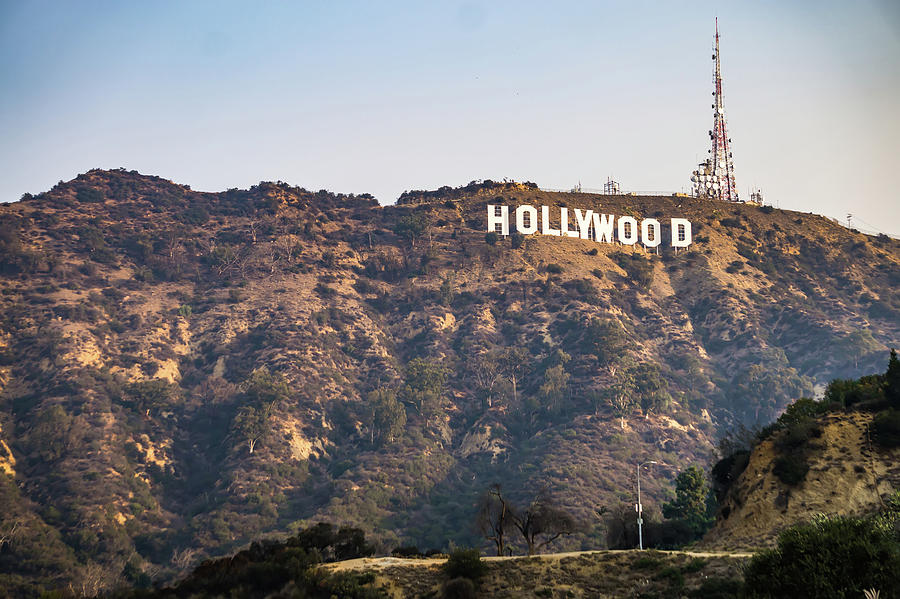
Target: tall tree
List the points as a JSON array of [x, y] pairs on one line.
[[620, 396], [423, 387], [388, 417], [604, 339], [252, 424], [51, 433], [411, 226], [263, 390], [515, 364], [486, 372], [151, 395], [555, 387], [892, 380], [651, 388], [264, 387], [691, 503]]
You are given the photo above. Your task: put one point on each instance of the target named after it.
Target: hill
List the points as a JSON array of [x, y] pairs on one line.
[[182, 372], [839, 456]]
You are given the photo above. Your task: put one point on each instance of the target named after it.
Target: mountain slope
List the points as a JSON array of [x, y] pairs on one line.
[[182, 371]]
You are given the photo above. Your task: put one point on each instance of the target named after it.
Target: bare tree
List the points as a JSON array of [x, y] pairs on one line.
[[94, 578], [184, 558], [486, 372], [620, 395], [543, 519], [8, 533], [495, 517], [515, 363]]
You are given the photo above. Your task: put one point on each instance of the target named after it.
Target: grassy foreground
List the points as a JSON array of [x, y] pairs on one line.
[[592, 574]]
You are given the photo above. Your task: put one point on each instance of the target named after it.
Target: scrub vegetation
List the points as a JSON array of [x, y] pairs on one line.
[[182, 373]]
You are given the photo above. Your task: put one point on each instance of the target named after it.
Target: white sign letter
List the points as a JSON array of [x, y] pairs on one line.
[[628, 233], [564, 223], [603, 227], [532, 225], [681, 232], [584, 223], [545, 222], [495, 219], [650, 229]]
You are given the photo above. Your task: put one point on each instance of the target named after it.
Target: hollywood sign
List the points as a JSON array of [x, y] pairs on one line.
[[587, 224]]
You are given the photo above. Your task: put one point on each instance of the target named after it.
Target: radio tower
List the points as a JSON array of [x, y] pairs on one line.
[[715, 177]]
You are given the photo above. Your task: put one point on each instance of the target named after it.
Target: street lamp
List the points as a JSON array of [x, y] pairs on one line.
[[638, 507]]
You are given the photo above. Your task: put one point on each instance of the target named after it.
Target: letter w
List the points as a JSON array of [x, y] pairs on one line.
[[603, 227]]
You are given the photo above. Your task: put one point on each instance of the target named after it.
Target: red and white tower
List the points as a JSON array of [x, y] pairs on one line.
[[715, 177]]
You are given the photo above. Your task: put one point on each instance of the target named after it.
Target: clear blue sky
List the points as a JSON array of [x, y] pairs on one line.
[[381, 97]]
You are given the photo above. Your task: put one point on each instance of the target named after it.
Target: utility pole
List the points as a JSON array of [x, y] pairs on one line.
[[638, 507]]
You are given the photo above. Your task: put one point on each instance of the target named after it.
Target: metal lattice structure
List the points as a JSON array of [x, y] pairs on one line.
[[611, 187], [715, 177]]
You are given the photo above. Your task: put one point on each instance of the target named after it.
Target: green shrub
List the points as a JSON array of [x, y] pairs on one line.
[[465, 563], [802, 410], [673, 575], [554, 269], [647, 562], [798, 434], [324, 290], [848, 393], [195, 215], [364, 286], [718, 588], [639, 268], [491, 238], [89, 195], [885, 428], [695, 565], [828, 558], [734, 266], [151, 395], [459, 588], [727, 470], [411, 226], [407, 551], [517, 240], [798, 419], [791, 469]]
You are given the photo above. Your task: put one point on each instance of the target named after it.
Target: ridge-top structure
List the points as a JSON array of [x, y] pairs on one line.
[[715, 177]]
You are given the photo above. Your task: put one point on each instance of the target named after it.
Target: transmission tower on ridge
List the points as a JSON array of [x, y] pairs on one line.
[[715, 177]]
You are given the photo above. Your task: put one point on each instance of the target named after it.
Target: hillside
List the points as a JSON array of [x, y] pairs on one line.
[[182, 372], [847, 476], [838, 456]]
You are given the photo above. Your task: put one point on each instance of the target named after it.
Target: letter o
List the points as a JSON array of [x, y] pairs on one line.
[[628, 235], [646, 225], [532, 227]]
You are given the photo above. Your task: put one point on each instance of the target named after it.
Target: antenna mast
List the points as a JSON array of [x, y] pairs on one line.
[[715, 177]]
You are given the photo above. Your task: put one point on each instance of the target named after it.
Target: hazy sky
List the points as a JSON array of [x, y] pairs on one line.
[[381, 97]]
